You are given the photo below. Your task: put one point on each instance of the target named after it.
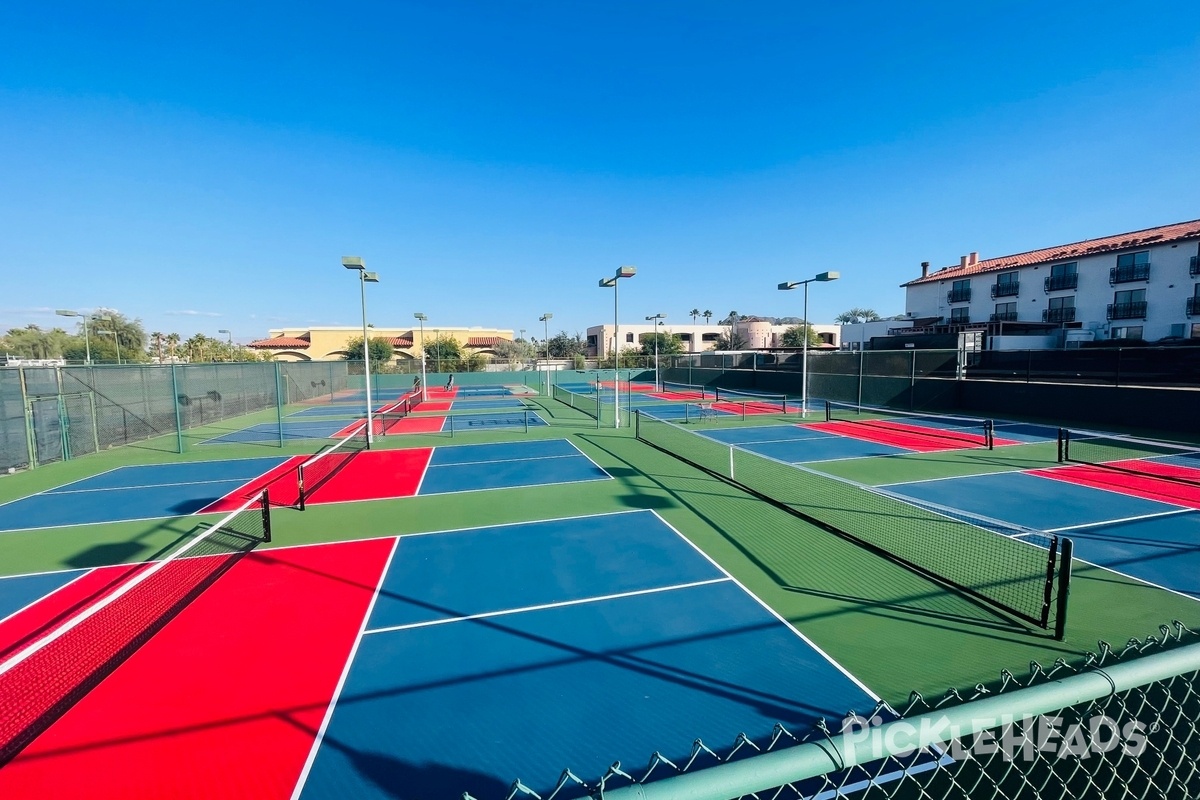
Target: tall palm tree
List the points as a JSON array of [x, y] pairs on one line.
[[172, 343], [157, 338], [707, 316], [695, 312]]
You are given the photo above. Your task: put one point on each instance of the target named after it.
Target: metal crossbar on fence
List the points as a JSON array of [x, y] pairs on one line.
[[1021, 571], [1117, 725]]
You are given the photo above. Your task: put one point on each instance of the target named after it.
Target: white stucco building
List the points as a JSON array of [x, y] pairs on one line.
[[758, 334], [1139, 285]]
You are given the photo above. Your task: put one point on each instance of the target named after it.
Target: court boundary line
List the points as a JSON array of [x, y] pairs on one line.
[[56, 492], [83, 571], [815, 647], [1123, 520], [543, 606], [605, 477], [319, 738]]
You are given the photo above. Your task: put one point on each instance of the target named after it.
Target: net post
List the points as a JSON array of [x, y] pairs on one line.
[[989, 434], [743, 412], [300, 486], [266, 515], [1061, 445], [731, 476], [637, 423], [527, 420], [828, 411], [1064, 588], [450, 419]]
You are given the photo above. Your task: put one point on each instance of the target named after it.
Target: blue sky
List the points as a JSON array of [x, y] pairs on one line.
[[206, 165]]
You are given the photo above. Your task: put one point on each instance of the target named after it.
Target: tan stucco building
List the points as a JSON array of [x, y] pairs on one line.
[[329, 344]]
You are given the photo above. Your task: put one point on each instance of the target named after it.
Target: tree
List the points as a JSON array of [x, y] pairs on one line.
[[794, 336], [732, 341], [379, 348], [515, 351], [695, 312], [669, 344], [156, 342], [129, 332], [707, 316], [855, 315], [443, 353], [33, 342], [563, 345]]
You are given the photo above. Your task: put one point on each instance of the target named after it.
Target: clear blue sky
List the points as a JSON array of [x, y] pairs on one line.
[[206, 165]]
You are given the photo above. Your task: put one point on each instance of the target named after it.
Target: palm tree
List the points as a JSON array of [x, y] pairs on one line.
[[695, 312], [707, 316], [157, 338], [172, 343]]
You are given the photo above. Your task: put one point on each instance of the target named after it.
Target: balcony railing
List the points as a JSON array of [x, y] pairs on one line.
[[1058, 282], [1194, 266], [1127, 310], [1010, 289], [1193, 306], [1059, 314], [1133, 272], [1003, 316], [959, 295]]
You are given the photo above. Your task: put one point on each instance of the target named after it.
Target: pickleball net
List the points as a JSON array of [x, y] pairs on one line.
[[688, 391], [328, 461], [50, 669], [965, 431], [1148, 458], [762, 401], [1019, 570]]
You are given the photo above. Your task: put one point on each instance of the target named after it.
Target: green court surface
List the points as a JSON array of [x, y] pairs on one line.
[[892, 629]]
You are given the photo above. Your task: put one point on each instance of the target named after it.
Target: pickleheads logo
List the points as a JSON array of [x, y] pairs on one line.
[[1028, 738]]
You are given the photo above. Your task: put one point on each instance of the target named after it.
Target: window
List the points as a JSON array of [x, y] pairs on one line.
[[1131, 296], [1193, 302], [629, 338], [1063, 276], [591, 340], [1131, 332], [1060, 309], [1005, 312], [1128, 305], [960, 315], [1131, 267], [1196, 330], [960, 292], [1008, 284]]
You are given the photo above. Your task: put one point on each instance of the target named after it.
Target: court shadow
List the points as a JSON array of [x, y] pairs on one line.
[[104, 554], [396, 777]]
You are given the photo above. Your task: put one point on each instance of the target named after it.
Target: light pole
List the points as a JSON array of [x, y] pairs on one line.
[[622, 272], [364, 277], [421, 318], [656, 318], [116, 341], [230, 336], [545, 319], [821, 278], [87, 342]]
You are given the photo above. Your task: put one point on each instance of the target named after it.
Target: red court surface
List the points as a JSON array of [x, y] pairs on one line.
[[375, 475], [434, 405], [225, 700], [910, 437], [280, 482], [677, 397], [1149, 487], [417, 424]]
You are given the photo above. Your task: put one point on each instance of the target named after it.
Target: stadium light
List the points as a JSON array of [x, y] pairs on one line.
[[546, 319], [229, 335], [823, 277], [116, 341], [605, 283], [87, 342], [364, 277], [421, 318], [656, 318]]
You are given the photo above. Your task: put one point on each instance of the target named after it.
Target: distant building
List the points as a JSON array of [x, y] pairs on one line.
[[1139, 285], [330, 343], [758, 333]]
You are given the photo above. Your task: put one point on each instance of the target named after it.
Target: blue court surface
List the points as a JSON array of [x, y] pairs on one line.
[[495, 402], [269, 432], [482, 391], [19, 591], [1155, 542], [796, 445], [505, 465], [345, 410], [680, 411], [519, 651], [149, 491], [492, 419]]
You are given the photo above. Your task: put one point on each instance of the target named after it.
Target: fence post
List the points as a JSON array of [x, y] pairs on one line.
[[175, 402], [279, 400]]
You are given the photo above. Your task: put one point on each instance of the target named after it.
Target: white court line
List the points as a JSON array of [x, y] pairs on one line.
[[337, 692], [543, 606], [771, 611], [1172, 513], [51, 593], [585, 455], [57, 492]]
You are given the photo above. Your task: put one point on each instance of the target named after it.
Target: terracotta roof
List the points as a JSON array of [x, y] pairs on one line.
[[401, 341], [281, 343], [484, 341], [1065, 252]]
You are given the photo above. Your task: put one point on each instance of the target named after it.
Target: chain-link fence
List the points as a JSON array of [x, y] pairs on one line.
[[1115, 724], [52, 414]]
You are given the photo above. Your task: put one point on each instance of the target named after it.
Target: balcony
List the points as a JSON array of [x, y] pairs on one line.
[[1194, 266], [1129, 274], [959, 295], [1127, 310], [1057, 283], [1193, 306], [1058, 314], [1003, 316], [1010, 289]]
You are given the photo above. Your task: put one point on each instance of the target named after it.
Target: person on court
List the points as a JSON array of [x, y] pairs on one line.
[[450, 382]]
